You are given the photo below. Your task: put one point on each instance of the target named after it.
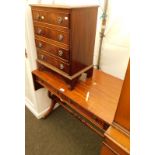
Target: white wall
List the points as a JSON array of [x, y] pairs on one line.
[[36, 101], [115, 46]]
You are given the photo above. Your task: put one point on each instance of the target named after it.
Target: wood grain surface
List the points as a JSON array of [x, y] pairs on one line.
[[118, 140], [98, 95], [122, 116]]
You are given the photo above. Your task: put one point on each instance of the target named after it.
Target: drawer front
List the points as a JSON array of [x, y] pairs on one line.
[[56, 35], [50, 17], [52, 49], [53, 61]]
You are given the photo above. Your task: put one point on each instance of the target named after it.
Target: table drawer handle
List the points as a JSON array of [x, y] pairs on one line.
[[61, 66], [60, 37], [60, 52], [42, 17], [59, 20]]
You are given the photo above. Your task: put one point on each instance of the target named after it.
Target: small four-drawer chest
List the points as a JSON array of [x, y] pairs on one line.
[[64, 38]]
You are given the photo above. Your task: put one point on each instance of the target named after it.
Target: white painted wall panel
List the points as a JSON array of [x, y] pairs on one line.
[[115, 46], [40, 100], [28, 84]]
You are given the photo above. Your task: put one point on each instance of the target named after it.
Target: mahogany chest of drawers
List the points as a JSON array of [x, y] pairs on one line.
[[64, 38]]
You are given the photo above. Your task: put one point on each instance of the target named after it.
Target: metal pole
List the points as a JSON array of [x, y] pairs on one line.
[[102, 32]]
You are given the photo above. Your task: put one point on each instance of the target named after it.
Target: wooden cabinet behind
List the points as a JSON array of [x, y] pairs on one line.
[[122, 115], [117, 137]]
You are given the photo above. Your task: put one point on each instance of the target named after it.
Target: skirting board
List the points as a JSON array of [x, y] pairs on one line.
[[40, 115]]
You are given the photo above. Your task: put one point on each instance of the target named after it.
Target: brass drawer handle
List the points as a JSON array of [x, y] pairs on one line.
[[42, 17], [40, 45], [59, 20], [60, 37], [60, 52], [39, 31], [61, 66]]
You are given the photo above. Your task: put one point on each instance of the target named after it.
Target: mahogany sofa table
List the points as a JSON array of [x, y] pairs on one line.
[[94, 101]]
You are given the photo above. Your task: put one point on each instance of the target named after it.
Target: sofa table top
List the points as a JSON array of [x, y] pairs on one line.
[[98, 95]]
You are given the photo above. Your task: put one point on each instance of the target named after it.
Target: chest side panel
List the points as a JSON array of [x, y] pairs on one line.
[[82, 37]]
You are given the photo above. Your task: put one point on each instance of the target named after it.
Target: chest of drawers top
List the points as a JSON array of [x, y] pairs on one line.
[[69, 7], [58, 15]]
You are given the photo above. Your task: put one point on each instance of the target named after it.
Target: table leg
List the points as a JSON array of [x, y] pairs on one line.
[[53, 103]]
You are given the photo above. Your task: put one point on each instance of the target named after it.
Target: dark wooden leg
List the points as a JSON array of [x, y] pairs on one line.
[[53, 103], [72, 83], [90, 72], [40, 67], [36, 84]]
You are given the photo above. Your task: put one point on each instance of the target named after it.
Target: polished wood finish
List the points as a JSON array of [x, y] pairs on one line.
[[53, 50], [118, 140], [94, 103], [68, 34], [122, 116], [87, 69], [107, 150], [91, 101], [58, 63], [52, 42], [56, 18], [115, 142], [82, 37], [82, 116], [98, 95], [36, 84], [52, 34], [117, 137]]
